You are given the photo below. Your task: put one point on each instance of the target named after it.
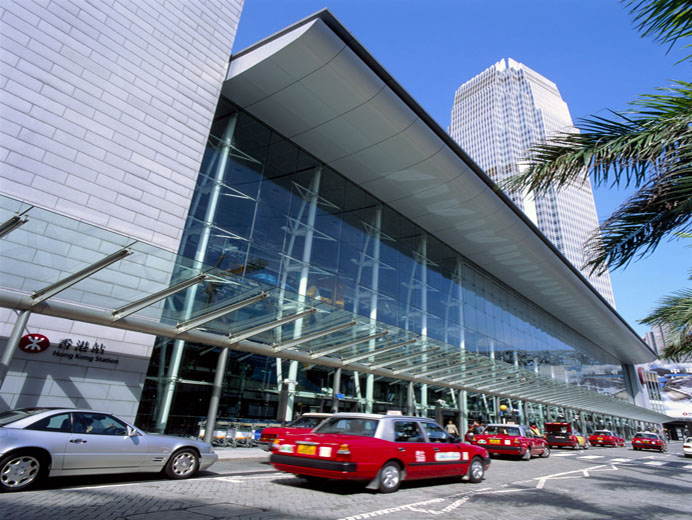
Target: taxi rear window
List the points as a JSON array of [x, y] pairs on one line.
[[349, 426]]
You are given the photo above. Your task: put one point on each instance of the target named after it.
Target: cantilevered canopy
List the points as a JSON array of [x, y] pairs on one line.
[[315, 84], [217, 308]]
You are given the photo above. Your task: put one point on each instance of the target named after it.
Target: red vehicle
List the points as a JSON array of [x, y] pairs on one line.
[[648, 441], [302, 424], [382, 450], [562, 435], [512, 439], [606, 438]]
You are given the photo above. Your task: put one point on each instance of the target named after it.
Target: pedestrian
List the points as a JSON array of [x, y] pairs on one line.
[[452, 429], [534, 429]]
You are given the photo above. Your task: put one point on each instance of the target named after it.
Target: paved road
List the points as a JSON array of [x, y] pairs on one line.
[[601, 483]]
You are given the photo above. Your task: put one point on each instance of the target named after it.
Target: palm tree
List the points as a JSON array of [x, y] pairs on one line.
[[648, 147]]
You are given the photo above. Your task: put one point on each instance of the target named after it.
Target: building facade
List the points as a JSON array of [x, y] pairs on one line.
[[496, 118], [335, 250], [106, 108]]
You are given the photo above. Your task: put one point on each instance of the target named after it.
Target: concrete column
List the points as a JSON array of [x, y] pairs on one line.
[[200, 254], [13, 343], [303, 284], [336, 389], [410, 399], [213, 409]]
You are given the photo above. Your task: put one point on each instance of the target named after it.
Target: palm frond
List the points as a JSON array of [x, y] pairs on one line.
[[661, 207], [619, 151], [674, 314], [666, 21]]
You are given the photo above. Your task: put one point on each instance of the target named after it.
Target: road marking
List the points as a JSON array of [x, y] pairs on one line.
[[655, 463], [105, 486], [592, 457], [620, 460], [561, 454]]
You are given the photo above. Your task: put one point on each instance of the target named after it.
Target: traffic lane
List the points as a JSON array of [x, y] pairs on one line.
[[619, 483], [581, 484]]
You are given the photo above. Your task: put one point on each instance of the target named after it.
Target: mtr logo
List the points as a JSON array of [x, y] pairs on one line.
[[34, 343]]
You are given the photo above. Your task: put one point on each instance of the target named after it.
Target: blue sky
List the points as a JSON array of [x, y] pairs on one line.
[[589, 48]]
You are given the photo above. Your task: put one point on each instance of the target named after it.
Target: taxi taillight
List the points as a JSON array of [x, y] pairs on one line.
[[343, 449], [516, 442]]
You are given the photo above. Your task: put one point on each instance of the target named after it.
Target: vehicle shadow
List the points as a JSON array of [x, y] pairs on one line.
[[110, 479], [349, 487]]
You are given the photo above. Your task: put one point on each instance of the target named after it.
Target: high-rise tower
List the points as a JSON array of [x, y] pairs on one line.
[[497, 116]]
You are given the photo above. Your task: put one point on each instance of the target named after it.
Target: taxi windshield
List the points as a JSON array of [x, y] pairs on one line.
[[349, 426]]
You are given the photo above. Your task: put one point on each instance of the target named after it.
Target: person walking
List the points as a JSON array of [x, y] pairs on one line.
[[452, 429]]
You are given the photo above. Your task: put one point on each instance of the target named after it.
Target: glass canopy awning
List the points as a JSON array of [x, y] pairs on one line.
[[65, 268]]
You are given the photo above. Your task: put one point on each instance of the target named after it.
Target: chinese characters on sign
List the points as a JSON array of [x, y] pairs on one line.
[[82, 346], [84, 351]]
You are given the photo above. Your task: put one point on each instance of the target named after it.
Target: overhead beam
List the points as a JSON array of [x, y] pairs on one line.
[[278, 347], [142, 303], [69, 281], [342, 346], [240, 336], [217, 313], [377, 352]]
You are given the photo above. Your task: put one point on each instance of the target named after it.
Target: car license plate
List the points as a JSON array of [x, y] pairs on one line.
[[307, 450], [494, 441], [600, 439]]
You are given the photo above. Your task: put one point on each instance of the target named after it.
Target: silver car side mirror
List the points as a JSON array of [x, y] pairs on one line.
[[131, 432]]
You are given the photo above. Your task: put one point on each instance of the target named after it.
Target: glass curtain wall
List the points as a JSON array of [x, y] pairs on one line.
[[266, 210]]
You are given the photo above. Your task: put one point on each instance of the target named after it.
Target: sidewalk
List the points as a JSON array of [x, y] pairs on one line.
[[241, 453]]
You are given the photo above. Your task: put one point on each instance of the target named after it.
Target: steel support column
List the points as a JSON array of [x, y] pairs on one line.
[[12, 343]]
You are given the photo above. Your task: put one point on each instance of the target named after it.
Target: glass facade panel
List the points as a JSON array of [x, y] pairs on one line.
[[269, 212]]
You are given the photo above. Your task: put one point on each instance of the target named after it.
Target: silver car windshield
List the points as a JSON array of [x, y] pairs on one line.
[[11, 416]]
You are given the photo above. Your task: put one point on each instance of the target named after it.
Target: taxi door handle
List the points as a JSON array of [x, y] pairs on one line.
[[437, 449], [78, 441], [402, 449]]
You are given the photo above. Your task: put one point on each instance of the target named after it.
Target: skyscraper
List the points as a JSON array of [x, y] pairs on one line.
[[497, 116]]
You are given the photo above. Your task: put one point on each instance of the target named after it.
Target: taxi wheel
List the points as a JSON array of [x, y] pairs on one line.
[[546, 452], [476, 470], [527, 454], [390, 477]]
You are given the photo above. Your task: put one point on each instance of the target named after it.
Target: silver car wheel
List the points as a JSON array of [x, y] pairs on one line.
[[184, 464], [19, 472]]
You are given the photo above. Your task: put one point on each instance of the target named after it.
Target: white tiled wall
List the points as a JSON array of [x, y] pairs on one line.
[[105, 109], [106, 106]]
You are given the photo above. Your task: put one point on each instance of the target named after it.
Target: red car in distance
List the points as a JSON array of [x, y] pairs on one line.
[[381, 450], [648, 441], [562, 435], [302, 424], [606, 438], [512, 439]]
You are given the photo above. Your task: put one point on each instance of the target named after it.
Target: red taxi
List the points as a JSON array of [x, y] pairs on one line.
[[512, 439], [382, 450], [648, 441], [606, 438], [302, 424], [562, 435]]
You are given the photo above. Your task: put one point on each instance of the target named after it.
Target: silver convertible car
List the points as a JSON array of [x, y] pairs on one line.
[[40, 442]]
